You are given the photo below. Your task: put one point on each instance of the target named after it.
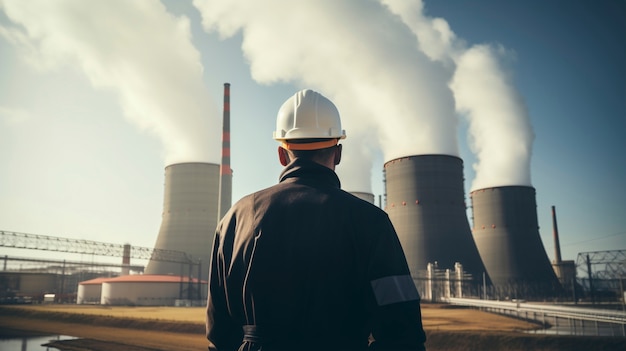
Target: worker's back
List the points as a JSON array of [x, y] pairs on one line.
[[301, 253]]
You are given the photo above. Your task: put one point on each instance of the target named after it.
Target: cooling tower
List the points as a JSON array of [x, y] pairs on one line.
[[189, 215], [506, 232], [426, 204]]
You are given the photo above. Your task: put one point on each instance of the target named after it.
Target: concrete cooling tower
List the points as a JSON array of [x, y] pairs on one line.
[[506, 232], [190, 211], [426, 204]]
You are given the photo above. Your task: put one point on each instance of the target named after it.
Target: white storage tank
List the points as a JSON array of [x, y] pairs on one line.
[[149, 290], [90, 291]]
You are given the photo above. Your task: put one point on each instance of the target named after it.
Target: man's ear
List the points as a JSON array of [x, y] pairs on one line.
[[283, 156], [338, 154]]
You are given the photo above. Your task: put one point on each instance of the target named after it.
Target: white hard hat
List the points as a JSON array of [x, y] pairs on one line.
[[308, 115]]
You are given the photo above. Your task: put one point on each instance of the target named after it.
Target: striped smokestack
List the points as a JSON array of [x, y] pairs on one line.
[[126, 260], [226, 173]]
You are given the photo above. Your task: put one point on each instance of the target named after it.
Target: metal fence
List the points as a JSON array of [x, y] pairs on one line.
[[556, 319], [435, 284]]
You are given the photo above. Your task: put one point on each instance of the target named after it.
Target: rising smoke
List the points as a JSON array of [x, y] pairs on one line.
[[390, 94], [398, 76], [500, 132], [135, 49]]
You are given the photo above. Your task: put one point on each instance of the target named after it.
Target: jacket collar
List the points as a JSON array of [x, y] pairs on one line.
[[305, 169]]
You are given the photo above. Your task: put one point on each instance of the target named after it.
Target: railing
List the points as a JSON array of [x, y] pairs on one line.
[[561, 319]]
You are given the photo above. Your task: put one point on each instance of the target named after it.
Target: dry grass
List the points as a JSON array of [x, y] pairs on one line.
[[174, 314], [436, 317], [182, 328], [451, 318]]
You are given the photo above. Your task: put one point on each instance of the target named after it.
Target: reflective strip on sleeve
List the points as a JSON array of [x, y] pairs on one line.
[[393, 289]]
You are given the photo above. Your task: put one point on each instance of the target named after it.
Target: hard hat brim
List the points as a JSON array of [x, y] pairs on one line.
[[310, 146]]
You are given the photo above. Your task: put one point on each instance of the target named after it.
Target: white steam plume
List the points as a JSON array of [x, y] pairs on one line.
[[500, 133], [390, 94], [135, 49], [500, 130], [435, 38]]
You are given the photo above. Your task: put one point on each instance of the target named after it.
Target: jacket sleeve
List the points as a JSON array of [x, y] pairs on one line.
[[221, 330], [395, 303]]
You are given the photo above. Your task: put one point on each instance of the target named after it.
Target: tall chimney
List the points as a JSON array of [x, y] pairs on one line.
[[557, 244], [126, 260], [226, 173]]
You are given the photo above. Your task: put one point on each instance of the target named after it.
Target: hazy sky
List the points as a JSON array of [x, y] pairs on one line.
[[97, 97]]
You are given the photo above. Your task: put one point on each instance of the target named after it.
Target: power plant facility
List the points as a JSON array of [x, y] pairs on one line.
[[499, 256], [386, 174]]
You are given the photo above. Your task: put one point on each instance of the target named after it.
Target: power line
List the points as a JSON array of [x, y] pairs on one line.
[[594, 239]]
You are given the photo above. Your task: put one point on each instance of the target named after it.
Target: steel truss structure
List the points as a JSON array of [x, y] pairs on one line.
[[72, 272], [602, 264], [79, 246], [602, 274]]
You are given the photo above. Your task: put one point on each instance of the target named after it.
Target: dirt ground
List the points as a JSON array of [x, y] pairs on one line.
[[104, 338], [102, 328], [435, 316]]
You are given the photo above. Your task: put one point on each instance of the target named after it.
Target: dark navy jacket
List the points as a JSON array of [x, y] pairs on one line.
[[312, 267]]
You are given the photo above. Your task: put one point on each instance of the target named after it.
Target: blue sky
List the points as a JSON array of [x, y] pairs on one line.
[[84, 137]]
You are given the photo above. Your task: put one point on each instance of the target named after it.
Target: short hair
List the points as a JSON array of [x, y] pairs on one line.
[[318, 154], [312, 155]]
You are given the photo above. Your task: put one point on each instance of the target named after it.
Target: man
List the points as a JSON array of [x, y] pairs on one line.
[[304, 265]]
